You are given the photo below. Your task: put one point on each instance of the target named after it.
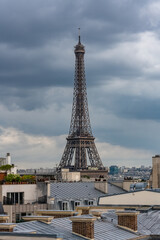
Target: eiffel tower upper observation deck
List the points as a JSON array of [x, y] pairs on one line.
[[80, 141]]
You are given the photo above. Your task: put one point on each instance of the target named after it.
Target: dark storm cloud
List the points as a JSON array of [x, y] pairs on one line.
[[33, 25]]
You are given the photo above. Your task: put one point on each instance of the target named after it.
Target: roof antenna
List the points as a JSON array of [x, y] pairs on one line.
[[79, 36]]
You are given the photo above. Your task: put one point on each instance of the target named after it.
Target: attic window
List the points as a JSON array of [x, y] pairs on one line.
[[90, 202]]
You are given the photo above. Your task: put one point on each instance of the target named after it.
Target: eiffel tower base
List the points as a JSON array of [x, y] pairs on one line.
[[79, 148]]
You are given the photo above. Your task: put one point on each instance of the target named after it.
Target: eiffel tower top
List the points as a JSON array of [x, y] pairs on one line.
[[79, 36], [79, 48]]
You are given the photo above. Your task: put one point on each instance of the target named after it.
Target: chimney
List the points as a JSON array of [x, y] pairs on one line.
[[128, 219], [101, 186], [83, 226], [7, 227]]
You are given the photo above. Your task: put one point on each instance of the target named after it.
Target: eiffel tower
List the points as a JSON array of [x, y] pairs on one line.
[[80, 141]]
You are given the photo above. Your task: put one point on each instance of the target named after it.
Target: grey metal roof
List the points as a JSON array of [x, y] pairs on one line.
[[148, 222], [37, 226], [44, 228], [103, 230], [80, 190], [114, 189]]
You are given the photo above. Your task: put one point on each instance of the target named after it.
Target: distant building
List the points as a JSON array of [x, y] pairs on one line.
[[6, 160], [113, 170], [155, 175]]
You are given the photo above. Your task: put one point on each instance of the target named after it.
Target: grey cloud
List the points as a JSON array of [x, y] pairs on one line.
[[31, 26]]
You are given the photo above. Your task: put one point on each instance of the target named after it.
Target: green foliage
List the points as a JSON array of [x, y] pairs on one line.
[[27, 178], [13, 178], [18, 178], [86, 176], [6, 167]]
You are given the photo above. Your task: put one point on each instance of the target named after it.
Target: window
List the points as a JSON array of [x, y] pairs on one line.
[[65, 206], [14, 198], [77, 203], [90, 202], [23, 214], [17, 217]]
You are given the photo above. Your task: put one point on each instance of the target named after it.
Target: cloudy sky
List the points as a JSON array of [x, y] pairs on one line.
[[122, 41]]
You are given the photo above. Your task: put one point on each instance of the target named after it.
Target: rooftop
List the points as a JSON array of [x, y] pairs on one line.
[[80, 190], [103, 230]]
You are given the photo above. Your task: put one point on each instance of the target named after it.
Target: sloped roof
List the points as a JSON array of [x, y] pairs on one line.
[[148, 223], [112, 189], [80, 190], [102, 230], [44, 228], [39, 227]]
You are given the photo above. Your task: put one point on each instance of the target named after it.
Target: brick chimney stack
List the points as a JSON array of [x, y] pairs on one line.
[[128, 219], [83, 226]]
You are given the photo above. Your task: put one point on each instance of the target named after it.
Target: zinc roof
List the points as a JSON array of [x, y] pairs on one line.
[[103, 230], [80, 190], [148, 222]]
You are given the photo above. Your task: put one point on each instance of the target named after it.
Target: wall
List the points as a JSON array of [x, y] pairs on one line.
[[126, 185], [118, 184], [1, 198], [156, 171], [30, 191], [94, 173], [70, 176], [140, 198], [101, 186], [12, 210], [41, 189]]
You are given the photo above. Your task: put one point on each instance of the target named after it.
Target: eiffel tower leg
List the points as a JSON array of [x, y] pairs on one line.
[[94, 156], [80, 157], [83, 158], [66, 160]]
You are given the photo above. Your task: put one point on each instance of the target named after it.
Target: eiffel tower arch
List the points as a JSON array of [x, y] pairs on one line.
[[80, 144]]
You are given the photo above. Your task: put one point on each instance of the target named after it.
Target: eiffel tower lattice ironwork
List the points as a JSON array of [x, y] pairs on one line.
[[80, 141]]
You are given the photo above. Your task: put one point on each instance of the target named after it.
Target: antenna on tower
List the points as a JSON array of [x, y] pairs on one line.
[[79, 36]]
